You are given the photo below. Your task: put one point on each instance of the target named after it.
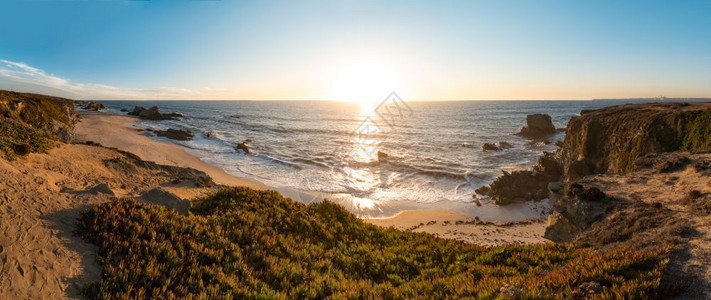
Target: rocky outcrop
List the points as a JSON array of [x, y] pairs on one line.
[[637, 217], [176, 134], [621, 139], [153, 114], [95, 106], [525, 185], [136, 110], [581, 206], [609, 140], [53, 114], [538, 126], [519, 186]]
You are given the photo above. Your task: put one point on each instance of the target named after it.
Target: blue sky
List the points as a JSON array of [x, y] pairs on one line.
[[425, 50]]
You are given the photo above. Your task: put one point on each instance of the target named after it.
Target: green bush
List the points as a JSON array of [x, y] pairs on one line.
[[242, 243], [697, 129], [20, 138]]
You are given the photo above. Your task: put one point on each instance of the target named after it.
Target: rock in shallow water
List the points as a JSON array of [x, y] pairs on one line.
[[489, 147], [538, 126], [496, 146], [153, 114], [243, 147]]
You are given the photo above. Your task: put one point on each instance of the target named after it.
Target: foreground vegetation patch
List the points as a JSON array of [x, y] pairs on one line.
[[19, 138], [245, 243]]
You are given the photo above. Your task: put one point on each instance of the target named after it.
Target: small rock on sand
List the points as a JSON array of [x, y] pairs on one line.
[[101, 189]]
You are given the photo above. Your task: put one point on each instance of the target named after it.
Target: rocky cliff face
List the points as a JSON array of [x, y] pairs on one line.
[[643, 140], [53, 114], [609, 140]]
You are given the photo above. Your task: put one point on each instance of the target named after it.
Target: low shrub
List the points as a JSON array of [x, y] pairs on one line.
[[243, 243], [19, 138]]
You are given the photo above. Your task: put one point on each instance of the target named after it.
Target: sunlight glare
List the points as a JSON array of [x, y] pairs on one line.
[[363, 203], [366, 82]]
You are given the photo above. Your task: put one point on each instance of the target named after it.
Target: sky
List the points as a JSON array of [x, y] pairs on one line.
[[345, 50]]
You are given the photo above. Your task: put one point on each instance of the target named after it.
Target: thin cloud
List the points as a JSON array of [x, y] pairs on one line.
[[18, 75]]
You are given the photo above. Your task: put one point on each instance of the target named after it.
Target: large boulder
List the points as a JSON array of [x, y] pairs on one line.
[[538, 126], [176, 134], [167, 199]]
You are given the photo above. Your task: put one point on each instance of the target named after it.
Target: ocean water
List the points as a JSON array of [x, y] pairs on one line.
[[434, 149]]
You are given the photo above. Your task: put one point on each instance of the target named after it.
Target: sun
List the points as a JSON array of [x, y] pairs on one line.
[[366, 82]]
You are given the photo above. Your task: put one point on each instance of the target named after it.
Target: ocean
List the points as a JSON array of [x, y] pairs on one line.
[[426, 154]]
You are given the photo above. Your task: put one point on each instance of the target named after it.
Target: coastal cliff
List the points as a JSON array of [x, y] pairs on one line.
[[659, 139], [33, 123], [609, 140], [54, 114], [639, 177]]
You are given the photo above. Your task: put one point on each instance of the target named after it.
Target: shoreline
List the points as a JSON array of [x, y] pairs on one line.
[[453, 220], [111, 130]]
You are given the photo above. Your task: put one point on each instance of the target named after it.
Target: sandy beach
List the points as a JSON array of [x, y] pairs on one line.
[[112, 131]]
